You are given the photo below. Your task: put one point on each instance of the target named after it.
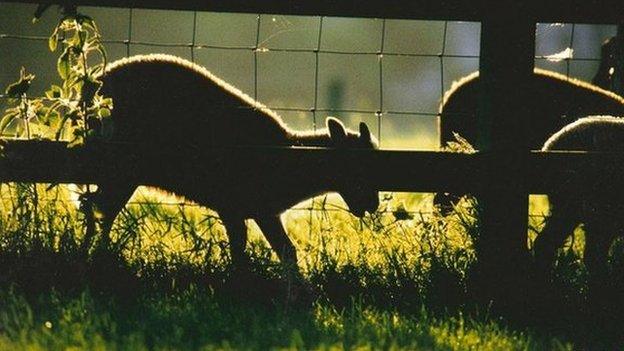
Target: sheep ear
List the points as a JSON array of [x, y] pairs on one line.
[[336, 129], [364, 132]]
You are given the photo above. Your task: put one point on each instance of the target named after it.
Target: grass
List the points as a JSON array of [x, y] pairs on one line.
[[394, 280], [201, 319]]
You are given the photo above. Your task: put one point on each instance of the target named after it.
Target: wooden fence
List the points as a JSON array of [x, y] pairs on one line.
[[502, 173]]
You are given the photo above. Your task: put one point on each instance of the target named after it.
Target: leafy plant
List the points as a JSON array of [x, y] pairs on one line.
[[460, 145], [74, 110]]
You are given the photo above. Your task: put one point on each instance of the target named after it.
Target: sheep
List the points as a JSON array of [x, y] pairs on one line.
[[594, 200], [558, 100], [170, 104]]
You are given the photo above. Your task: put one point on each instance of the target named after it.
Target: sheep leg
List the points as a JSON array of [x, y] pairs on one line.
[[597, 243], [599, 234], [559, 225], [273, 230], [109, 200], [296, 288], [236, 230]]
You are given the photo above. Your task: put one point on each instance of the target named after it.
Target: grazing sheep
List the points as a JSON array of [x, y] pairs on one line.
[[595, 201], [170, 104], [558, 100]]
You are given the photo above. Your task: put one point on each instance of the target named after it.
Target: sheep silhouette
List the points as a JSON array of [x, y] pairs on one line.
[[170, 105], [594, 200], [558, 101]]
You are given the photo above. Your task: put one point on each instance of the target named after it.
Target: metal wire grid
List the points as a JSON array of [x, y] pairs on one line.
[[257, 49], [327, 207]]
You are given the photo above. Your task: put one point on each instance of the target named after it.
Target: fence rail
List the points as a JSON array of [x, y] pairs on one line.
[[422, 171], [580, 11]]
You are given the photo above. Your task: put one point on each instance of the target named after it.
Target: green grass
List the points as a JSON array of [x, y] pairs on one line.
[[200, 319], [394, 280]]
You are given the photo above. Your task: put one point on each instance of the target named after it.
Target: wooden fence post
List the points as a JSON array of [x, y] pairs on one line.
[[506, 68], [618, 75]]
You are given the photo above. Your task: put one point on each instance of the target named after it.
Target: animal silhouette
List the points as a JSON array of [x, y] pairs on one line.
[[558, 101], [172, 105], [594, 200]]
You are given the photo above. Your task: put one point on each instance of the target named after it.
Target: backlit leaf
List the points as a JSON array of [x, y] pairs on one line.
[[63, 65], [53, 41]]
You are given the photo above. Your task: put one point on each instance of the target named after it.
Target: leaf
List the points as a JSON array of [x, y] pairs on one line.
[[48, 114], [61, 126], [104, 113], [63, 65], [20, 87], [51, 117], [102, 51], [41, 115], [52, 42], [72, 82], [107, 102], [6, 120], [17, 89], [55, 92], [74, 41]]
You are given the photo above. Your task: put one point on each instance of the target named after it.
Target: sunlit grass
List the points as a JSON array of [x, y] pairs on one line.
[[373, 276]]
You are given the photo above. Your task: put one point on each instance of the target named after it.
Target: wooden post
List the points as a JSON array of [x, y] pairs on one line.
[[618, 75], [506, 68]]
